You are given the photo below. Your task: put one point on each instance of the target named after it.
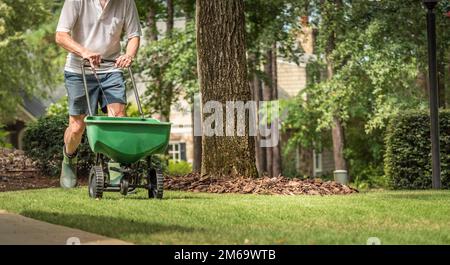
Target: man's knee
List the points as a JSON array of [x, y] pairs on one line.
[[77, 125], [117, 110]]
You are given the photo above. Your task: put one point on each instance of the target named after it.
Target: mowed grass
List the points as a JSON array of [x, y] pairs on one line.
[[413, 217]]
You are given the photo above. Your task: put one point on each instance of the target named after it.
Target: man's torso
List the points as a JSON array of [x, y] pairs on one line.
[[98, 29]]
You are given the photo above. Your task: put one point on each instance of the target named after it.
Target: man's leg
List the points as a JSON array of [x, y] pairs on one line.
[[74, 133], [114, 91], [72, 139], [116, 110]]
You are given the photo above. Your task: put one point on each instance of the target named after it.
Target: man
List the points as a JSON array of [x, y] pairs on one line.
[[92, 30]]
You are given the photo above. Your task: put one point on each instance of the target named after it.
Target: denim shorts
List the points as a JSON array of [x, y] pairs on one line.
[[113, 92]]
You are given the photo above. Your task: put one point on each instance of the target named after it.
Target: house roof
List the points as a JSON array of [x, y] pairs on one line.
[[34, 106], [38, 106]]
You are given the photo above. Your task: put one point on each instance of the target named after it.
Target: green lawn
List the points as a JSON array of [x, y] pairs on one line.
[[418, 217]]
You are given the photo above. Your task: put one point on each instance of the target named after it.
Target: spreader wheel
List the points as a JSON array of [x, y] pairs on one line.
[[96, 182], [124, 184], [156, 183]]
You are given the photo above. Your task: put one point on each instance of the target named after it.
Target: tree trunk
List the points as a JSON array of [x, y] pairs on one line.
[[255, 85], [170, 18], [222, 70], [188, 7], [276, 150], [267, 96], [151, 22], [165, 107], [337, 130]]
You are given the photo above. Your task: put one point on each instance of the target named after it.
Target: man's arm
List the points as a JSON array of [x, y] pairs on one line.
[[64, 40], [125, 60]]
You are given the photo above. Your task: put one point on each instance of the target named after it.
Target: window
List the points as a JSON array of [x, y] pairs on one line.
[[317, 160], [177, 151]]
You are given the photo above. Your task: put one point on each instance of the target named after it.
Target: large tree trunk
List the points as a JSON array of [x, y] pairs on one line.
[[276, 150], [222, 70], [267, 96]]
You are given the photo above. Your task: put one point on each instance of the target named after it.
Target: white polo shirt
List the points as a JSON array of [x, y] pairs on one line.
[[98, 29]]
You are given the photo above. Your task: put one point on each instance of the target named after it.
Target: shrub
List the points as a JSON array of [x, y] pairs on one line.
[[4, 137], [179, 168], [408, 150], [44, 140]]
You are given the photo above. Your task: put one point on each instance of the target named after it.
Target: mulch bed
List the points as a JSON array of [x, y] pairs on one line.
[[273, 186], [25, 181], [18, 172]]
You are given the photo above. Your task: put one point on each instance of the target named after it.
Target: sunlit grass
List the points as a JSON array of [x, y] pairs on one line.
[[415, 217]]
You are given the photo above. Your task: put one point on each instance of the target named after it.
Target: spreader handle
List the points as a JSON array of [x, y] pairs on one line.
[[86, 63]]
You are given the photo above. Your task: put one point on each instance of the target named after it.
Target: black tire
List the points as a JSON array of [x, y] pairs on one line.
[[155, 183], [124, 184], [96, 182]]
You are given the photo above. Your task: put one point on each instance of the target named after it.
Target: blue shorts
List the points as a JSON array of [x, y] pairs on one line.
[[113, 92]]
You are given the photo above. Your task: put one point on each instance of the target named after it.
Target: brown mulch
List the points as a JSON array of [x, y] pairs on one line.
[[18, 172], [25, 181], [276, 185]]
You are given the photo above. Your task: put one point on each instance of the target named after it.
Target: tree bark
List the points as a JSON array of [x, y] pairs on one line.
[[267, 96], [222, 69], [276, 150]]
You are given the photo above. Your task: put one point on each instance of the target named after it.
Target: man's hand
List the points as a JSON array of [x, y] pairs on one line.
[[94, 58], [124, 61]]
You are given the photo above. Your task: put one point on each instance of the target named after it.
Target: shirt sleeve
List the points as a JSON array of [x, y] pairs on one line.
[[132, 25], [69, 15]]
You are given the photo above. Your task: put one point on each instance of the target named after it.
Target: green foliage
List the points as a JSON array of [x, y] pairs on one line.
[[28, 54], [169, 68], [179, 168], [44, 140], [408, 150], [59, 108], [378, 52], [3, 137]]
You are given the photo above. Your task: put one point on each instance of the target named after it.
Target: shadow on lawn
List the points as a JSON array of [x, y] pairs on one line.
[[108, 225], [139, 197]]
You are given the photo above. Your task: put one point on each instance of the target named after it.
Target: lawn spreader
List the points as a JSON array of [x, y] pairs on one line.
[[125, 148]]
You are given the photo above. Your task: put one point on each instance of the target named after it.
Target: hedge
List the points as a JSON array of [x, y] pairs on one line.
[[407, 158], [44, 140]]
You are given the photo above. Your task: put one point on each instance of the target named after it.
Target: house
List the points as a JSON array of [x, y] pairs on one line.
[[30, 110]]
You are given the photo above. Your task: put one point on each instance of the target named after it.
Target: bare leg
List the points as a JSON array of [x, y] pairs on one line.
[[116, 110], [74, 133]]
